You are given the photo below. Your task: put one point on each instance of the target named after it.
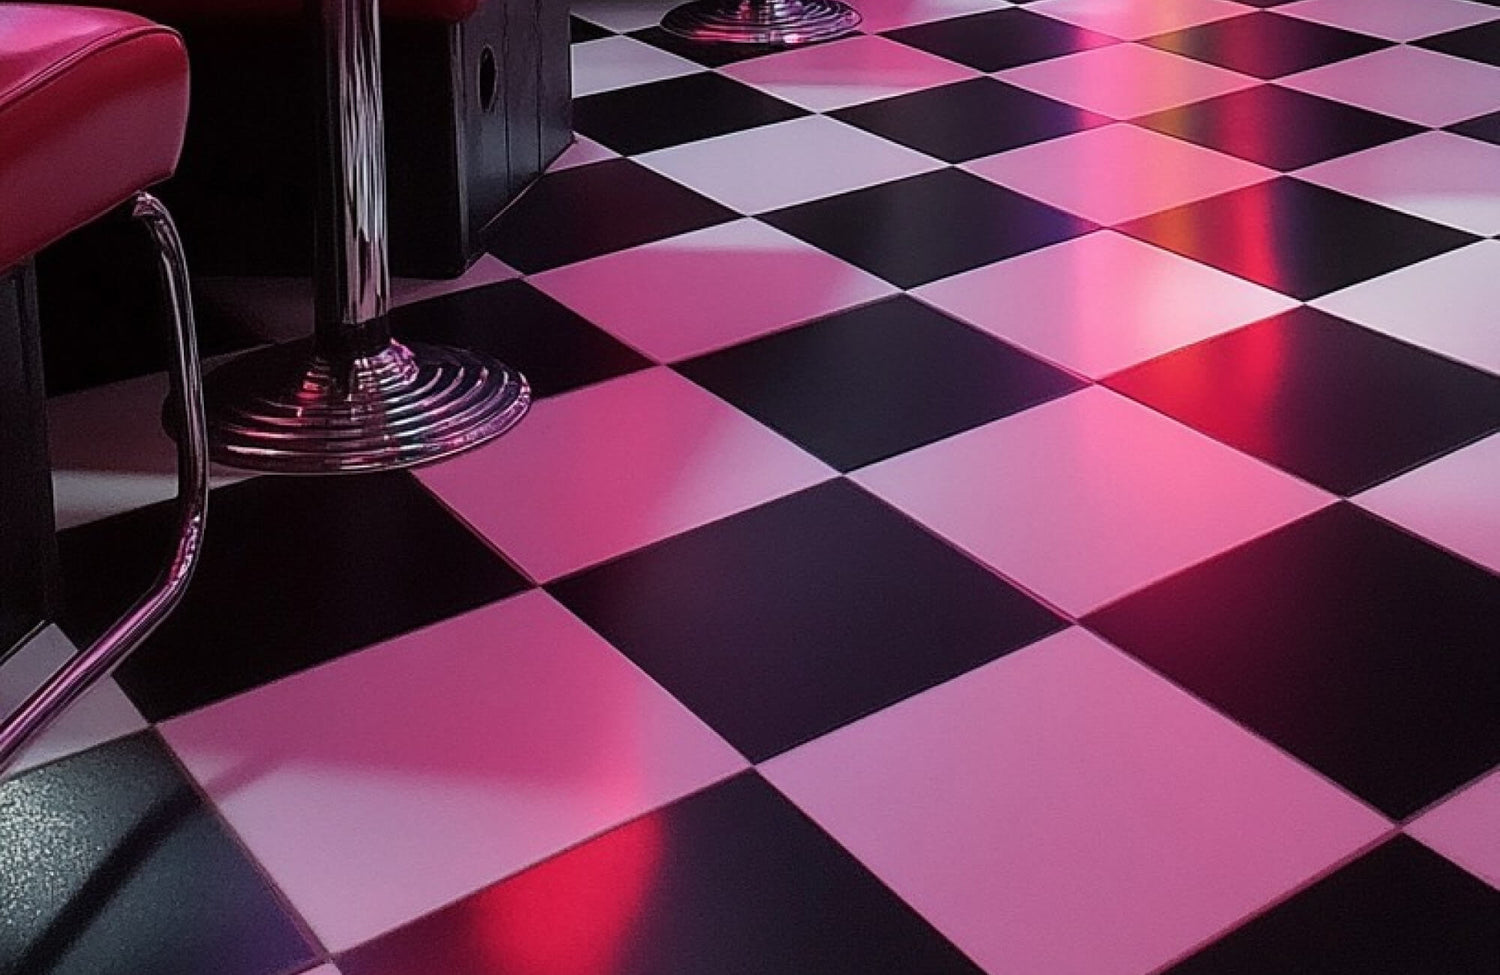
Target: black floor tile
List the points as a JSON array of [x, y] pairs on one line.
[[1485, 127], [1278, 127], [669, 113], [866, 384], [112, 864], [1300, 239], [552, 346], [969, 119], [580, 30], [1360, 649], [912, 231], [586, 211], [1400, 908], [1266, 44], [1000, 39], [1480, 42], [1336, 404], [790, 620], [294, 571], [732, 879]]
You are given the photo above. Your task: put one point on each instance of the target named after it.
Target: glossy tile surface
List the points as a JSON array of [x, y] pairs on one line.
[[1266, 44], [614, 467], [1399, 908], [1116, 173], [701, 291], [553, 224], [868, 383], [619, 904], [296, 572], [1007, 844], [1087, 497], [476, 748], [1367, 407], [1101, 302], [1302, 240], [1333, 589], [112, 864], [831, 586], [915, 230], [1278, 127], [863, 371], [953, 122]]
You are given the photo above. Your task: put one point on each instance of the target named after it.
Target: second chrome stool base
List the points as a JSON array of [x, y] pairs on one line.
[[776, 22], [288, 410]]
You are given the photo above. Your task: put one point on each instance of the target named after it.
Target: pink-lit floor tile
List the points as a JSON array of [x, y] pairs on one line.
[[1118, 172], [488, 269], [1454, 501], [1408, 82], [1065, 810], [1466, 828], [847, 72], [1102, 302], [1134, 19], [604, 470], [102, 714], [1396, 20], [1126, 80], [701, 291], [792, 162], [1437, 175], [1089, 497], [1446, 304], [385, 784], [883, 15], [582, 152], [615, 62]]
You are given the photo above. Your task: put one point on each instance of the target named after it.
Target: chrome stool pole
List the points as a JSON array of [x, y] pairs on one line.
[[777, 22], [88, 666], [353, 398]]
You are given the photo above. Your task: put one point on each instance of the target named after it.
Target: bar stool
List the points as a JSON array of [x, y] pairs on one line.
[[93, 105], [781, 23]]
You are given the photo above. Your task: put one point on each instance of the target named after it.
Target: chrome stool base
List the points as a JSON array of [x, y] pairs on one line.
[[288, 410], [779, 22]]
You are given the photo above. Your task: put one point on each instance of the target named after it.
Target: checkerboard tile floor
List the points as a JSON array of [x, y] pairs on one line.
[[1016, 489]]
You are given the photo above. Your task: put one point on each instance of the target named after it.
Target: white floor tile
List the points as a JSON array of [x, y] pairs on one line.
[[792, 162], [1133, 20], [701, 291], [1102, 302], [1446, 304], [385, 784], [1437, 175], [1454, 501], [1119, 172], [1126, 80], [847, 72], [601, 471], [1089, 497], [1464, 828], [103, 714], [623, 15], [617, 62], [1409, 83], [1064, 810], [1396, 20]]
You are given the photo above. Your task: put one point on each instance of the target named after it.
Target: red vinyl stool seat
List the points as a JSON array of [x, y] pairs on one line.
[[93, 107], [447, 11]]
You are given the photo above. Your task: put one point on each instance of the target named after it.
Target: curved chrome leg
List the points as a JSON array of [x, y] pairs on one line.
[[88, 666], [780, 22], [354, 399]]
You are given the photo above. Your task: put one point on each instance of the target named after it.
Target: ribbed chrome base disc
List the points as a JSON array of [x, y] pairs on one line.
[[779, 22], [286, 410]]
